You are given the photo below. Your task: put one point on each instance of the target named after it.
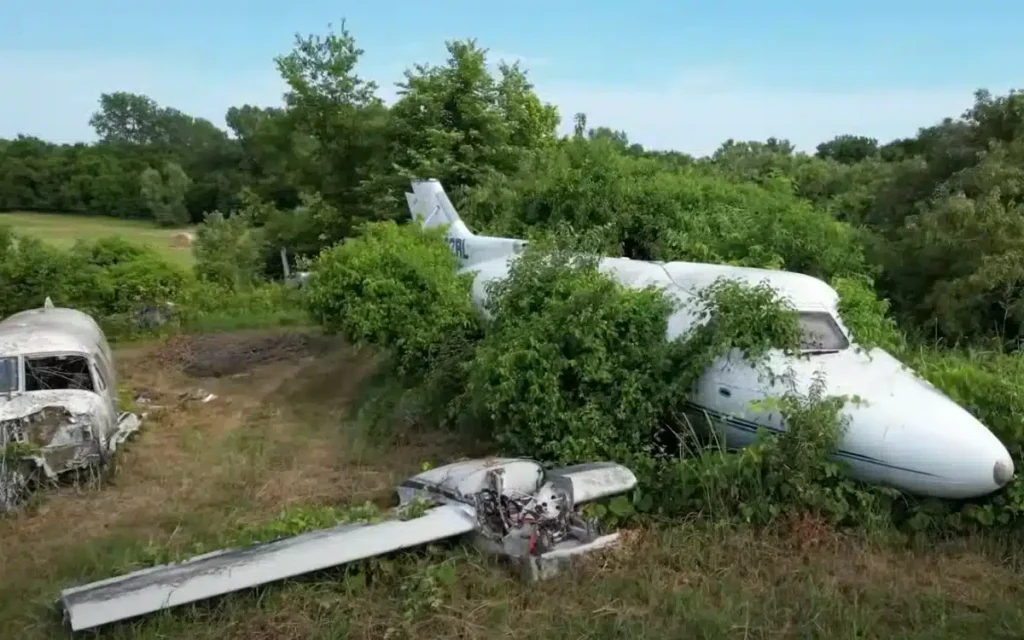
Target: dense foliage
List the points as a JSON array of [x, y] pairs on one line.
[[130, 288], [923, 237], [393, 287]]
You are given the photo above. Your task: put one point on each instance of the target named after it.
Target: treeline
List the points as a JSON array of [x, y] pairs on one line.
[[934, 220]]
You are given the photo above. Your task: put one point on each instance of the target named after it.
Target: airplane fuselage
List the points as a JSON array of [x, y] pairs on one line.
[[904, 432]]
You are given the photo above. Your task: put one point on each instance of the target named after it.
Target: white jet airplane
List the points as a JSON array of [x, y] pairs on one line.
[[904, 433]]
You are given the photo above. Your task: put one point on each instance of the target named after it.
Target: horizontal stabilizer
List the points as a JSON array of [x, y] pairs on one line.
[[230, 570]]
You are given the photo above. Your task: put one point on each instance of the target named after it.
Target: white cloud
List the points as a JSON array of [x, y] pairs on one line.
[[51, 95]]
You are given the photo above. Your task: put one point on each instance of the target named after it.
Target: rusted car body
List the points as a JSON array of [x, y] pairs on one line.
[[58, 399]]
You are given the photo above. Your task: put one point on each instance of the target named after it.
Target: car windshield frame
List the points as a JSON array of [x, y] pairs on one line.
[[10, 374], [838, 339]]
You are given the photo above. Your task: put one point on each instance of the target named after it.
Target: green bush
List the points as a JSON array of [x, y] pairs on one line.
[[650, 213], [574, 366], [394, 287], [228, 250], [119, 283], [108, 277], [867, 316], [777, 475], [30, 271], [113, 277]]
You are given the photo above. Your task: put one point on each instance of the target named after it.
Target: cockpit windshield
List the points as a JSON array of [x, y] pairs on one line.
[[819, 332], [48, 372], [8, 374]]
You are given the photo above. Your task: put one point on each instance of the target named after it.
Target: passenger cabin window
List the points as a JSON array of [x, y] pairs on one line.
[[819, 332], [58, 372], [8, 374]]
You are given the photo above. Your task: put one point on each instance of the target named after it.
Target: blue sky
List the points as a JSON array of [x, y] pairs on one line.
[[682, 75]]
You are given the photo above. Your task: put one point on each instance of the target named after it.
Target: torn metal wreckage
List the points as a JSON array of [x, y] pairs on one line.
[[58, 399], [512, 508]]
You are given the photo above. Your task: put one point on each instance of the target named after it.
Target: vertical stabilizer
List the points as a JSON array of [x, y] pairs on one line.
[[429, 204]]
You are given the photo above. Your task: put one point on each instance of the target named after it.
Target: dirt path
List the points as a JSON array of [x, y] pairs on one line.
[[274, 434]]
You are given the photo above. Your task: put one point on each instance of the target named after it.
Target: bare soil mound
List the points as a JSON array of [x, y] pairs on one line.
[[223, 354]]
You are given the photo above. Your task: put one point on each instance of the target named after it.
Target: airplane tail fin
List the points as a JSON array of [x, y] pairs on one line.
[[430, 206]]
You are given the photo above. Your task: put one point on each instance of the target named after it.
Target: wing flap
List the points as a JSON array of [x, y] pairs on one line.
[[222, 572]]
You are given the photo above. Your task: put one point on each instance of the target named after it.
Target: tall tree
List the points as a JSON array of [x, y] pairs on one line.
[[164, 193], [342, 118], [457, 123], [127, 118]]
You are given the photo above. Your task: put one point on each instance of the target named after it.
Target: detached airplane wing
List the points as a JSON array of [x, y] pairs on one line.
[[511, 507], [229, 570]]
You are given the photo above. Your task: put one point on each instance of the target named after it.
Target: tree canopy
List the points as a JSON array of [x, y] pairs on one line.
[[934, 221]]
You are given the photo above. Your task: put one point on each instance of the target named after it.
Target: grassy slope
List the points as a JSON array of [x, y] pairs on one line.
[[63, 229], [281, 435]]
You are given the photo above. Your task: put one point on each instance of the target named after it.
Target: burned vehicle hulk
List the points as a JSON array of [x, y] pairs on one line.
[[58, 399]]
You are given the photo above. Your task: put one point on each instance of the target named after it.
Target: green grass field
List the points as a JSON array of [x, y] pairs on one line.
[[63, 230]]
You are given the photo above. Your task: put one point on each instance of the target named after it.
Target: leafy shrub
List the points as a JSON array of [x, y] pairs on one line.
[[119, 282], [228, 250], [648, 212], [30, 271], [105, 277], [867, 316], [393, 287], [777, 475], [574, 365], [114, 276]]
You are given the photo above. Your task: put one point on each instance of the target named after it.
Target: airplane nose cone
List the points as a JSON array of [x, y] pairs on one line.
[[963, 458], [1002, 472], [927, 444]]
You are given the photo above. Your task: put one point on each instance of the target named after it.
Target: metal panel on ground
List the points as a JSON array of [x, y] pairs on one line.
[[222, 572]]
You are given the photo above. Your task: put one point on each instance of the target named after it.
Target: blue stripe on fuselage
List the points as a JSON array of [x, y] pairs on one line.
[[752, 427]]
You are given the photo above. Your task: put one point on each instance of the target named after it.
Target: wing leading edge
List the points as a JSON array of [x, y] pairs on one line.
[[222, 572]]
